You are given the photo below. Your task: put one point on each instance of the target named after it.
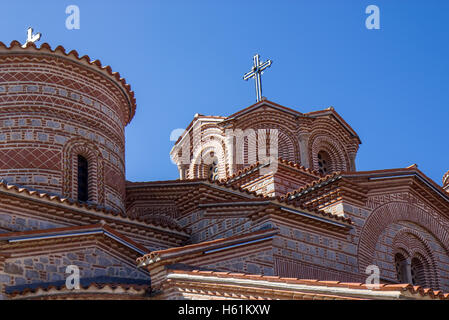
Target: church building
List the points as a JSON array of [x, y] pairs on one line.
[[268, 205]]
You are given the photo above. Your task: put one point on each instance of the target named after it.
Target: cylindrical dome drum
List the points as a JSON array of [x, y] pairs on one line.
[[62, 122]]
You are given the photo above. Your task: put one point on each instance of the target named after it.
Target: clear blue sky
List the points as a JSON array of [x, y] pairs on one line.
[[183, 57]]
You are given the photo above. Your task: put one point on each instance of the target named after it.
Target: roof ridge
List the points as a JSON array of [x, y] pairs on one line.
[[34, 193], [156, 253], [316, 183]]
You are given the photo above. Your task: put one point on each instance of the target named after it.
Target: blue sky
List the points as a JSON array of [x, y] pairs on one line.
[[183, 57]]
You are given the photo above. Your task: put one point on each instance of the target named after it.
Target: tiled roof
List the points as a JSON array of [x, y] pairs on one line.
[[72, 231], [132, 185], [400, 288], [102, 284], [311, 186], [313, 114], [137, 184], [40, 194], [299, 167], [334, 113], [15, 46], [256, 166], [261, 103], [373, 174], [295, 113], [156, 256], [196, 117], [284, 199], [280, 200]]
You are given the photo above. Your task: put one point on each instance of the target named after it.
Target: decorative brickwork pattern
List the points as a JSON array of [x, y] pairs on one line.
[[324, 142], [396, 212], [52, 106], [84, 148]]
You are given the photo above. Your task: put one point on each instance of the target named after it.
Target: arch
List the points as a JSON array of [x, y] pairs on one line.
[[414, 245], [324, 162], [288, 144], [213, 169], [394, 212], [418, 271], [400, 261], [213, 146], [323, 142], [85, 148]]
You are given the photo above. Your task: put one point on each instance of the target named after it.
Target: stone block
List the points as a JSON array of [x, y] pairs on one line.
[[12, 268]]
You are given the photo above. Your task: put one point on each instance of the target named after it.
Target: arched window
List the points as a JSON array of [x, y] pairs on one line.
[[417, 272], [213, 170], [83, 179], [401, 268], [324, 162]]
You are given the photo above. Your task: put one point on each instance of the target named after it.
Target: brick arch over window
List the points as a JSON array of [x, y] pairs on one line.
[[287, 149], [390, 213], [324, 142], [88, 150], [413, 245], [287, 144], [199, 168]]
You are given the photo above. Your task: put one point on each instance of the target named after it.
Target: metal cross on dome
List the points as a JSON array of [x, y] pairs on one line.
[[256, 73], [31, 37]]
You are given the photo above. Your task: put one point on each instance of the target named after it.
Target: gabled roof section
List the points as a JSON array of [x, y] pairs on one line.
[[188, 201], [315, 114], [161, 256], [91, 209], [41, 194], [75, 231], [365, 180], [331, 111], [196, 118], [262, 103], [255, 167], [241, 192]]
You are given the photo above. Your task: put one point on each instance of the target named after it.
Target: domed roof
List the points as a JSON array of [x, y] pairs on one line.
[[16, 48]]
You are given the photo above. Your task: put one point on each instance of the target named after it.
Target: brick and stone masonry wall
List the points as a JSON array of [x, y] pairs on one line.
[[297, 251], [92, 262], [206, 227], [301, 252], [51, 110], [254, 258], [16, 222], [399, 223]]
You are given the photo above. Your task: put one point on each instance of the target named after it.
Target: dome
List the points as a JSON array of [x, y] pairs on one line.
[[60, 114]]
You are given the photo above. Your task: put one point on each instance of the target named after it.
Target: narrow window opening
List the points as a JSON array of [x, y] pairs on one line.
[[323, 162], [401, 268], [83, 178], [213, 169], [417, 272]]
